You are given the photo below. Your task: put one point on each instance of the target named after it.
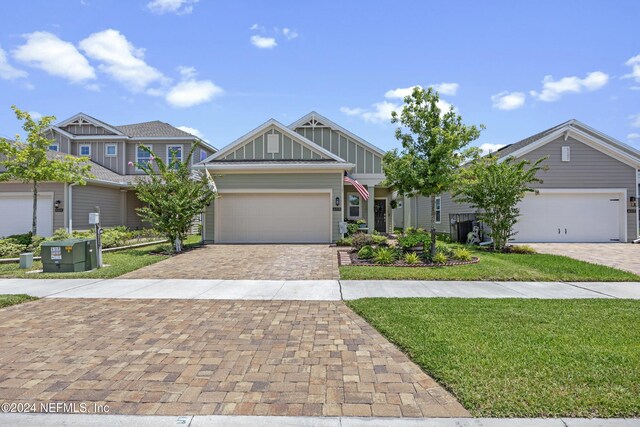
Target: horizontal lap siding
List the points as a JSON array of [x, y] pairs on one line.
[[86, 198], [47, 187], [448, 205], [279, 181]]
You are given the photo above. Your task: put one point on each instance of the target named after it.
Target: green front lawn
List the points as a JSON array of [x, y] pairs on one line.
[[499, 266], [521, 358], [7, 300], [120, 262]]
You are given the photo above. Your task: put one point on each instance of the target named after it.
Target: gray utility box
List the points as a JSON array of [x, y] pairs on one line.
[[66, 256]]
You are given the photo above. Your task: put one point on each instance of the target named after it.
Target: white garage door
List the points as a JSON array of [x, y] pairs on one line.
[[17, 210], [273, 218], [570, 217]]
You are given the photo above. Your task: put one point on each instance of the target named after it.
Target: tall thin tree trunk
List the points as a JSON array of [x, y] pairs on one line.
[[34, 219], [432, 248]]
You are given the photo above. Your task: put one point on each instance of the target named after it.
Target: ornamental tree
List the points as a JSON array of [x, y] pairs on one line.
[[495, 187], [172, 194], [28, 162], [434, 145]]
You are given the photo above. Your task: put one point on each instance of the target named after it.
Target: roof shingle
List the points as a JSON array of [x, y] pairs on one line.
[[152, 129]]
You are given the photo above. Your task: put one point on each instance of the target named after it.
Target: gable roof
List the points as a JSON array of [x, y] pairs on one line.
[[317, 119], [155, 128], [85, 117], [580, 131], [280, 127]]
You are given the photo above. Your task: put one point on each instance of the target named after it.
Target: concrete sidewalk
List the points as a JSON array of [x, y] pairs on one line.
[[310, 290], [268, 421]]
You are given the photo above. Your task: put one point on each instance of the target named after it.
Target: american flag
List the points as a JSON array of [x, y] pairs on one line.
[[359, 187]]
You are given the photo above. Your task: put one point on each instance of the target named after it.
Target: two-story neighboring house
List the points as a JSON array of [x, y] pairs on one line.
[[113, 152]]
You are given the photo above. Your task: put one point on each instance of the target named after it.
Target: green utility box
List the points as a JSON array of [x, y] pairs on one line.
[[66, 256]]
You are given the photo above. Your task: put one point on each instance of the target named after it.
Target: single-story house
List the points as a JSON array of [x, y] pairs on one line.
[[286, 184], [589, 194], [110, 149]]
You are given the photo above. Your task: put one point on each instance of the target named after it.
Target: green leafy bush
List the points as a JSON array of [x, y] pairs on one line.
[[444, 249], [411, 258], [380, 240], [413, 239], [114, 237], [521, 249], [440, 258], [461, 254], [347, 241], [60, 234], [354, 226], [361, 239], [384, 256], [366, 252], [20, 239], [10, 249]]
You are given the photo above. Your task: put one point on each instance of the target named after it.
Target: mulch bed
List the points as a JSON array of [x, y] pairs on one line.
[[355, 261]]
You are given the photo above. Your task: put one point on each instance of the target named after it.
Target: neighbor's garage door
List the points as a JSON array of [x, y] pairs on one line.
[[16, 214], [570, 217], [273, 218]]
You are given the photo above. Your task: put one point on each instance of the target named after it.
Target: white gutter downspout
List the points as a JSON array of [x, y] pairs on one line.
[[70, 204]]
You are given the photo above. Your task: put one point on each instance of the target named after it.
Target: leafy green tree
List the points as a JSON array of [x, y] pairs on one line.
[[173, 195], [29, 163], [434, 145], [495, 188]]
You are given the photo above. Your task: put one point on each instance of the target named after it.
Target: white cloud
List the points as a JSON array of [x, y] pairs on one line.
[[633, 136], [192, 131], [289, 33], [35, 115], [121, 60], [635, 120], [190, 92], [446, 88], [634, 63], [490, 148], [400, 92], [179, 7], [351, 111], [552, 89], [508, 100], [57, 57], [255, 27], [263, 42], [381, 112], [7, 72]]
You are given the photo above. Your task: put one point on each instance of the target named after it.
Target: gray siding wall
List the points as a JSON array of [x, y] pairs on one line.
[[422, 211], [86, 130], [366, 161], [256, 149], [86, 198], [133, 220], [159, 147], [98, 154], [279, 181], [46, 187]]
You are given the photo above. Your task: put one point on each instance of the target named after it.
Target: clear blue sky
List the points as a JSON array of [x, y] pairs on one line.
[[224, 67]]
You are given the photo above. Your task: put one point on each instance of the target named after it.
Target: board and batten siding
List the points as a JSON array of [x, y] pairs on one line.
[[366, 161], [46, 187], [159, 147], [99, 155], [86, 129], [278, 181], [288, 149]]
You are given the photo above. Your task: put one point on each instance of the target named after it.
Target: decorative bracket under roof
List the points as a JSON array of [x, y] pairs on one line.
[[312, 123]]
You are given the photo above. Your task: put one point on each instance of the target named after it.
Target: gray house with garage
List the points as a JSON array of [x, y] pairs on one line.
[[113, 152], [286, 184], [589, 194]]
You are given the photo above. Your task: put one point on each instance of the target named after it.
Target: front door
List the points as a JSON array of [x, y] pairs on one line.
[[380, 215]]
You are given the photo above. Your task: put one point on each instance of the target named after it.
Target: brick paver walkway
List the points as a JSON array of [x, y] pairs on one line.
[[624, 256], [250, 262], [179, 357]]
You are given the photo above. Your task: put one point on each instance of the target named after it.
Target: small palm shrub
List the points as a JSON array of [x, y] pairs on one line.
[[439, 258], [521, 249], [411, 258], [384, 256], [359, 240], [461, 254], [366, 252]]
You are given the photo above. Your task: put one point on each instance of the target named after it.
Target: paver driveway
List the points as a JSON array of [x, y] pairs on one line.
[[250, 262], [623, 256], [185, 357]]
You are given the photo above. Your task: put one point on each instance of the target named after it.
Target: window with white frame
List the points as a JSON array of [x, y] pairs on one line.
[[174, 154], [54, 147], [142, 156], [111, 150], [354, 206], [438, 209], [84, 150]]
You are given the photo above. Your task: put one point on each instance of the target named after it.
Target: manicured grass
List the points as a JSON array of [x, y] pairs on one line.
[[498, 266], [7, 300], [120, 262], [521, 358]]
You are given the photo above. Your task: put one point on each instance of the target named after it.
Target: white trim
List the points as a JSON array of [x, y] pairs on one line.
[[436, 209], [330, 124], [149, 146], [216, 201], [55, 144], [246, 138], [106, 146], [164, 138], [274, 166], [168, 149], [349, 216], [622, 203], [607, 137], [80, 146], [91, 120], [638, 203]]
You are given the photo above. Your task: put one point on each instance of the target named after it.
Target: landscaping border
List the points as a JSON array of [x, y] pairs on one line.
[[346, 258]]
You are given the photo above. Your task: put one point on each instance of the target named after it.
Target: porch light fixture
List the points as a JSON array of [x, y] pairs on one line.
[[337, 201], [632, 200], [57, 203]]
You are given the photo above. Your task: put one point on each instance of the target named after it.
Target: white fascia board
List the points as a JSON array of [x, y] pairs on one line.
[[608, 138], [274, 166], [282, 128], [61, 132], [93, 121], [335, 127], [99, 137], [162, 138]]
